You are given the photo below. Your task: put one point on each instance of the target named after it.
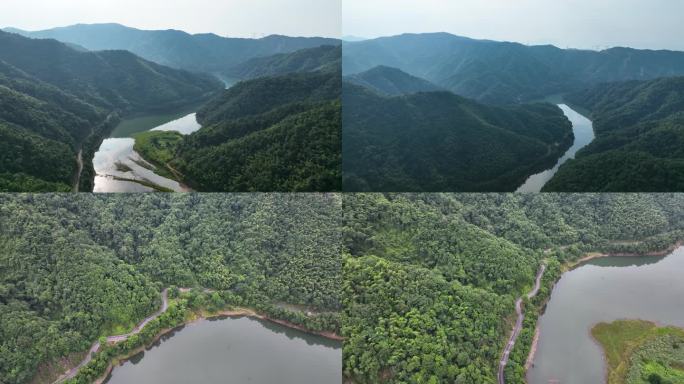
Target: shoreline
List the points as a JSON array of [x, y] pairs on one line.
[[598, 255], [569, 266], [228, 313]]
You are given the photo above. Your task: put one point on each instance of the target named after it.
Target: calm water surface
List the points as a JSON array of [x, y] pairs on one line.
[[584, 134], [604, 290], [235, 351], [116, 160]]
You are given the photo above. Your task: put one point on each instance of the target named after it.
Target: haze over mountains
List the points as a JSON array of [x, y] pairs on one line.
[[177, 49], [505, 72]]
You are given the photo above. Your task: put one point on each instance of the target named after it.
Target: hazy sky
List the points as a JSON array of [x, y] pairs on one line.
[[657, 24], [239, 18]]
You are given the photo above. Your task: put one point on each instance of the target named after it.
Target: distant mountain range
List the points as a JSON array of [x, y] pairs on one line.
[[399, 134], [177, 49], [503, 72], [57, 100], [639, 144]]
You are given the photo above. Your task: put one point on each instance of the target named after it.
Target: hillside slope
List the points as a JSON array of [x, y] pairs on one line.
[[277, 133]]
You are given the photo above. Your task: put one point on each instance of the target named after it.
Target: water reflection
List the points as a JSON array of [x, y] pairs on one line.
[[235, 351], [120, 168]]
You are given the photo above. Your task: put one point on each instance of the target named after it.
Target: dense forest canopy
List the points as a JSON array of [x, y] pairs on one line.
[[205, 52], [430, 280], [504, 72], [438, 141], [55, 101], [639, 143], [75, 267]]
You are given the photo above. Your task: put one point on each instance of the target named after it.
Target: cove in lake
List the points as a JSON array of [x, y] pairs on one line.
[[583, 130], [235, 351], [603, 290], [116, 162]]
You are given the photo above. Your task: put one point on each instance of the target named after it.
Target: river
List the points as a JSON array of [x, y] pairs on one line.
[[235, 351], [603, 290], [116, 163], [584, 134]]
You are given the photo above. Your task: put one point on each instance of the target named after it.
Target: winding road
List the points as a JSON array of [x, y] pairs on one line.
[[70, 374], [518, 324]]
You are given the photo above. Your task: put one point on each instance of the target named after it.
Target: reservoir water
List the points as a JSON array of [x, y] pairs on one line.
[[584, 134], [235, 351], [120, 168], [603, 290]]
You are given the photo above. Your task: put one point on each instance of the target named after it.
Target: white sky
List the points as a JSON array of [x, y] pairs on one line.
[[235, 18], [655, 24]]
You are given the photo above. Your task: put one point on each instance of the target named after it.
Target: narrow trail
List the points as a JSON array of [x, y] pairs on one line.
[[77, 179], [518, 324], [70, 374]]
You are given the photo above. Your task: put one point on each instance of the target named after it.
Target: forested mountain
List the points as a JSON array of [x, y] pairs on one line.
[[201, 52], [504, 72], [430, 280], [325, 58], [77, 267], [277, 133], [391, 81], [438, 141], [639, 143], [56, 100]]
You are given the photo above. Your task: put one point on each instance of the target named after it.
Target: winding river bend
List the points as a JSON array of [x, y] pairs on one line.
[[603, 290], [120, 168], [235, 351], [583, 130]]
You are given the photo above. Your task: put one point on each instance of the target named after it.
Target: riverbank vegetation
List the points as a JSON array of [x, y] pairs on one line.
[[430, 280], [640, 352], [639, 140], [78, 267]]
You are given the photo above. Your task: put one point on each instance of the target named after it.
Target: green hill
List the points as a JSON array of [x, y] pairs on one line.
[[391, 81], [438, 141], [269, 134], [639, 142]]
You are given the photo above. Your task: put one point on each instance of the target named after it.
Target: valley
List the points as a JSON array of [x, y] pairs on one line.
[[633, 97]]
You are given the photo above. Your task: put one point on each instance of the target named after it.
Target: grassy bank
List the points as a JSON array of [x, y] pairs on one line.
[[638, 351], [159, 148]]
